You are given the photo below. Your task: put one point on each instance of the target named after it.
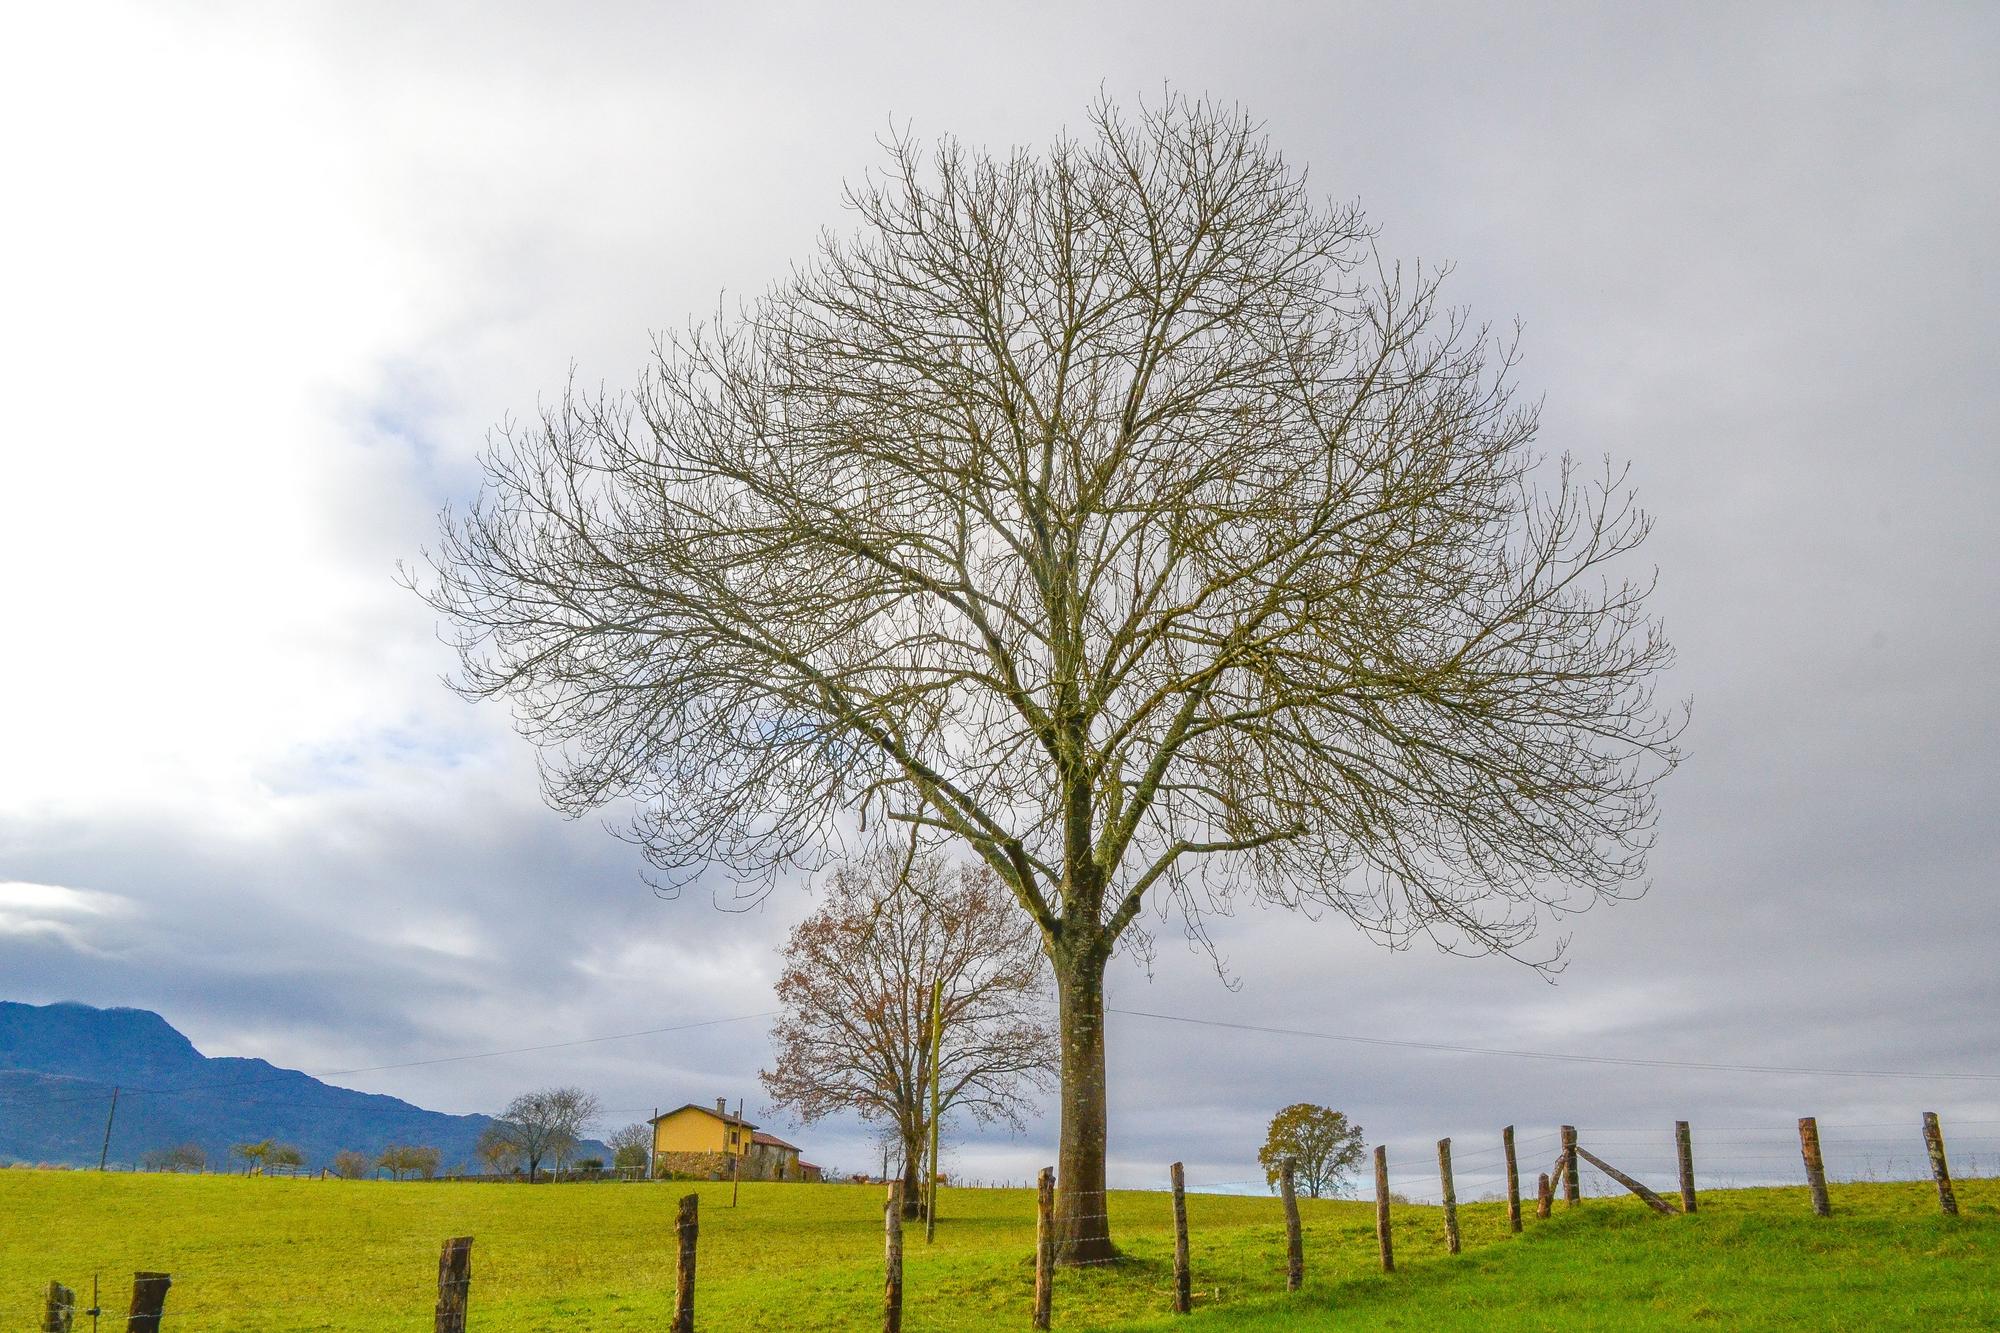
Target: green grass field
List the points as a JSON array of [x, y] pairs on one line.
[[257, 1254]]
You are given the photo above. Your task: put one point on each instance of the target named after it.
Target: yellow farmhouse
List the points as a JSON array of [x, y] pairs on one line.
[[699, 1141]]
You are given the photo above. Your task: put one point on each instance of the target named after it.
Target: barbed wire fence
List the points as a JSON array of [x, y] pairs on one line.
[[1733, 1156], [1587, 1162]]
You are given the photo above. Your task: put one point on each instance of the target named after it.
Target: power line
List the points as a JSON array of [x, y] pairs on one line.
[[1570, 1057], [550, 1046]]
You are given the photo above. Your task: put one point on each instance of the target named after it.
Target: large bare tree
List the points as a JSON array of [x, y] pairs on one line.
[[855, 1031], [1118, 512], [548, 1122]]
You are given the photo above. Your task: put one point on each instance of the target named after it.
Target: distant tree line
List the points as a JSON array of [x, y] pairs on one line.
[[541, 1128], [401, 1161]]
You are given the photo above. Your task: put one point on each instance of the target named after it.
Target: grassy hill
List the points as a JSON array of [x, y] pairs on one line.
[[258, 1254]]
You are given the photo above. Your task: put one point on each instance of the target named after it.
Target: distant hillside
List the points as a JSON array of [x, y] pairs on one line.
[[59, 1062]]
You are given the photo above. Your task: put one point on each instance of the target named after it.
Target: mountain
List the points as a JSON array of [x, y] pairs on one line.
[[60, 1062]]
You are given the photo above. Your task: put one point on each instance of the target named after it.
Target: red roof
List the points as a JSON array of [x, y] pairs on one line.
[[772, 1141]]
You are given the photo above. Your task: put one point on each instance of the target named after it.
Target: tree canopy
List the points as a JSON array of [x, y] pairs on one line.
[[1118, 512], [1319, 1143]]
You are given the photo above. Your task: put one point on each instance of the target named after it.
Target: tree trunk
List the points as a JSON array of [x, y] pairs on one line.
[[913, 1156], [1083, 1231]]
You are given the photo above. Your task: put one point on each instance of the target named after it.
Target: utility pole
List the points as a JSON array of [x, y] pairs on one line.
[[736, 1163], [105, 1155], [652, 1141], [937, 1041]]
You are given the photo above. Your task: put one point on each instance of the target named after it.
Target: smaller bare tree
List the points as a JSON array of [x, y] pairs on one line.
[[545, 1124], [350, 1165], [629, 1147], [185, 1157], [497, 1149], [855, 1029]]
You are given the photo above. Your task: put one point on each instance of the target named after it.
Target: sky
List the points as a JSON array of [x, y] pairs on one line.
[[271, 273]]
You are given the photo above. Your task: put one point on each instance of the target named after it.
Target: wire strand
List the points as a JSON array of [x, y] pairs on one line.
[[1571, 1057]]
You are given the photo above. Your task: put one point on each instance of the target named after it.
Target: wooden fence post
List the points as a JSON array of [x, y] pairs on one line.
[[1045, 1245], [149, 1301], [1513, 1181], [454, 1284], [1815, 1164], [1382, 1209], [1544, 1196], [892, 1259], [687, 1229], [59, 1309], [1572, 1190], [1183, 1279], [1295, 1245], [1449, 1195], [1684, 1149], [1934, 1144]]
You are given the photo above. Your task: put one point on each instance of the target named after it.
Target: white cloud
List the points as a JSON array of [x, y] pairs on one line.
[[54, 911]]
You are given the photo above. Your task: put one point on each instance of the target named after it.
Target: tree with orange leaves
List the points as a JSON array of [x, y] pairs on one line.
[[855, 1029]]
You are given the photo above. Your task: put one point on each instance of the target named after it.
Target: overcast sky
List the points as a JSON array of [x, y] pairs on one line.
[[269, 272]]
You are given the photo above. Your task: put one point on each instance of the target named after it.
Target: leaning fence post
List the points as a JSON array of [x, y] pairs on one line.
[[1045, 1244], [1815, 1164], [1934, 1143], [1382, 1209], [1572, 1191], [1684, 1149], [149, 1300], [59, 1309], [1183, 1278], [454, 1284], [1513, 1181], [1544, 1197], [892, 1259], [1450, 1195], [687, 1230], [1295, 1247], [1646, 1196]]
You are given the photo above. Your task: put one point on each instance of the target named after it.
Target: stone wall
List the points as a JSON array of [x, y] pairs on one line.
[[692, 1165]]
